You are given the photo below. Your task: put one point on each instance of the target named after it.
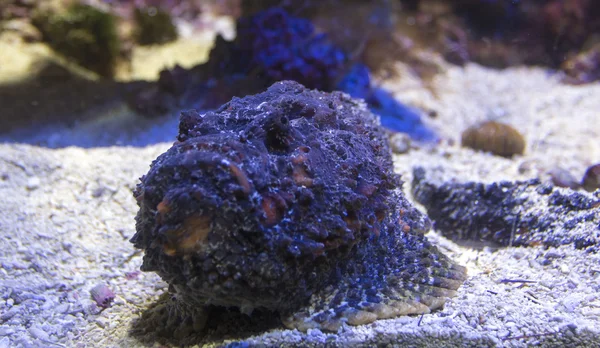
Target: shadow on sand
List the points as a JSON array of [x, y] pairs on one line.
[[57, 107], [166, 322]]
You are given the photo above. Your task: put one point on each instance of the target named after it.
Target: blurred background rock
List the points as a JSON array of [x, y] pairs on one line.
[[68, 61]]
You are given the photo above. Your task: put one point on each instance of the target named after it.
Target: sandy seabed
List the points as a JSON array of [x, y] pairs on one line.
[[67, 214]]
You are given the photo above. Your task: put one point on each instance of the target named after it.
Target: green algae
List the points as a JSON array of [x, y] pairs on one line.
[[153, 26], [84, 34]]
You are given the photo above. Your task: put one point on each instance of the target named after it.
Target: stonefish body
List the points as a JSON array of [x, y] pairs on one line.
[[287, 200]]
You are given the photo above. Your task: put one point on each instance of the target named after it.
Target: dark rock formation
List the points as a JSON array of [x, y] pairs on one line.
[[523, 213]]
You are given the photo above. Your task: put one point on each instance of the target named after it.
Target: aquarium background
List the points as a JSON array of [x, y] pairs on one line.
[[491, 108]]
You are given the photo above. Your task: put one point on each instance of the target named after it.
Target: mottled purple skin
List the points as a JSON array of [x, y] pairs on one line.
[[272, 198]]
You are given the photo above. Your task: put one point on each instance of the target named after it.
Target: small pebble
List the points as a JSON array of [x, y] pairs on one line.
[[525, 167], [591, 179], [553, 255], [98, 192], [62, 308], [518, 254], [67, 246], [102, 322], [103, 295], [48, 304], [590, 298], [33, 183], [315, 333], [9, 313], [132, 275], [38, 333], [400, 143], [5, 331], [563, 178]]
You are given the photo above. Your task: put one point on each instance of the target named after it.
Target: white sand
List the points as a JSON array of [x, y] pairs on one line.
[[67, 214]]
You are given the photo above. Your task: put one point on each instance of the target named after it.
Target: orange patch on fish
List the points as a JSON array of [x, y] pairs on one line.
[[241, 178], [301, 177], [163, 207], [189, 237]]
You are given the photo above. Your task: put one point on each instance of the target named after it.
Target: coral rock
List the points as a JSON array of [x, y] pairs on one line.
[[522, 213]]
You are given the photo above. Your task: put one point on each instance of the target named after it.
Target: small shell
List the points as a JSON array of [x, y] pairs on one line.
[[591, 179], [563, 178], [103, 295], [495, 137]]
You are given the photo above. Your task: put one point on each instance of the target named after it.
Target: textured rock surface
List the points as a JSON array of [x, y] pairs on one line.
[[522, 213], [287, 201]]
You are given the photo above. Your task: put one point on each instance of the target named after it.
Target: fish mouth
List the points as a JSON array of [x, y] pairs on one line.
[[207, 183]]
